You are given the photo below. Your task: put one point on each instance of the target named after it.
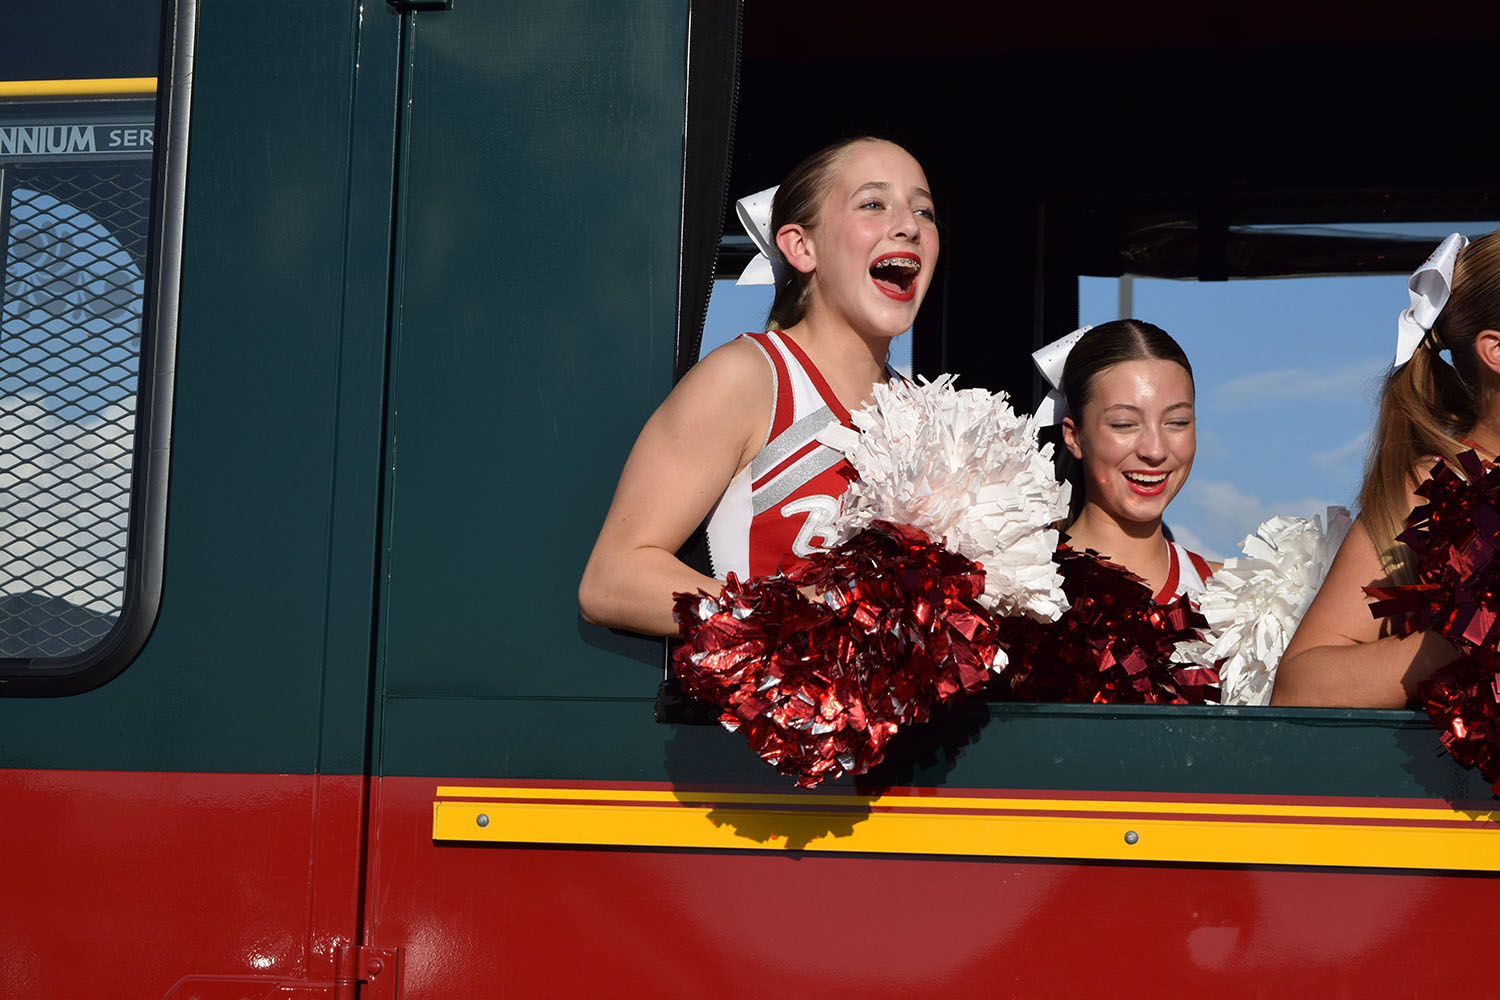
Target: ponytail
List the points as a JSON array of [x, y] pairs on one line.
[[1427, 405], [1424, 406]]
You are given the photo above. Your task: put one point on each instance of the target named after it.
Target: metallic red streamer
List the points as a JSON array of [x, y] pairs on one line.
[[818, 689], [1114, 644], [1456, 535]]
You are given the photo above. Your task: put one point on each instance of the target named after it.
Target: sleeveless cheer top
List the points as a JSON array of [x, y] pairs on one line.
[[1187, 573], [778, 510]]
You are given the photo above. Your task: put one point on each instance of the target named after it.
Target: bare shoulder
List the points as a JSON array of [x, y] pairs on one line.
[[1357, 560], [723, 404], [736, 372], [1340, 613]]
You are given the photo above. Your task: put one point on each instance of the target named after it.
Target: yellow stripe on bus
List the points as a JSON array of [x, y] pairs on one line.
[[826, 804], [1137, 839], [102, 87]]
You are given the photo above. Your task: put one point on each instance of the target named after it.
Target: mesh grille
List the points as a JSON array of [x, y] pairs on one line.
[[70, 345]]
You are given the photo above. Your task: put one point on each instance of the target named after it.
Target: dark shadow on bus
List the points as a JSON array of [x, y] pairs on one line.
[[1425, 760], [705, 763]]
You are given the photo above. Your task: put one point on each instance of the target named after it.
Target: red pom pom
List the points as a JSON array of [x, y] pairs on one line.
[[1463, 701], [1114, 644], [1455, 536], [819, 689]]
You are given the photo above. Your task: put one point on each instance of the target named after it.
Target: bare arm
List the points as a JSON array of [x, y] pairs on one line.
[[1341, 654], [698, 439]]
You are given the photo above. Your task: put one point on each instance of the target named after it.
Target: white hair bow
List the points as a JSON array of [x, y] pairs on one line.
[[1050, 361], [1430, 285], [768, 267]]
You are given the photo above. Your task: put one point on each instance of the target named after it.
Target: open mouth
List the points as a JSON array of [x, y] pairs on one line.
[[895, 275], [1147, 483]]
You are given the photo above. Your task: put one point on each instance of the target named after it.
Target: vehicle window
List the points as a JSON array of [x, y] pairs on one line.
[[81, 155]]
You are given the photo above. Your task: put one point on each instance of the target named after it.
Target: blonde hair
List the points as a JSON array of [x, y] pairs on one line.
[[1427, 405]]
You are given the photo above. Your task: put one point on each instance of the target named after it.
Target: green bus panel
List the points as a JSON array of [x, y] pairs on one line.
[[536, 291], [1067, 747], [232, 678], [84, 39]]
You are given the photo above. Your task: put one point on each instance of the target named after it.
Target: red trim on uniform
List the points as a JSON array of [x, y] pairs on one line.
[[1201, 565], [1174, 572], [787, 463], [819, 382], [781, 419]]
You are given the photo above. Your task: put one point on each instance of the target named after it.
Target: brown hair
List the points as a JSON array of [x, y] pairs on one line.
[[1104, 346], [799, 199], [1428, 403]]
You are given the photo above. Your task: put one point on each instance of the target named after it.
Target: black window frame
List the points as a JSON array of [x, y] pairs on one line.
[[146, 533]]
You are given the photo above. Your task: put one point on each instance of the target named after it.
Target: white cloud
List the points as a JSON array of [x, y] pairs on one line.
[[1218, 515], [1335, 460], [1210, 444], [1300, 383]]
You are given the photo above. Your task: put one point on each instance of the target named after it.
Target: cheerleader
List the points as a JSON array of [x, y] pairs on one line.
[[1431, 409], [1130, 591], [1128, 391], [852, 244]]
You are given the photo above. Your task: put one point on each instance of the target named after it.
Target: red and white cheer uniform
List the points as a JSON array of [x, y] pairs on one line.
[[1187, 573], [778, 509]]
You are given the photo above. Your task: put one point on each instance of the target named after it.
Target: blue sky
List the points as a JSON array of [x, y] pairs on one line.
[[733, 309], [1287, 370]]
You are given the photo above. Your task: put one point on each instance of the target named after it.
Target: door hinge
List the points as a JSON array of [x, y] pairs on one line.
[[362, 972]]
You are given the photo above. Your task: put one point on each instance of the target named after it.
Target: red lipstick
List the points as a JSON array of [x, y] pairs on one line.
[[902, 273], [1145, 490]]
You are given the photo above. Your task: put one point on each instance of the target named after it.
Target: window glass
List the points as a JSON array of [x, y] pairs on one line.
[[70, 334], [77, 167]]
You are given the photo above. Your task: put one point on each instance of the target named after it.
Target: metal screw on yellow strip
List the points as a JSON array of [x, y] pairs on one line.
[[1131, 836]]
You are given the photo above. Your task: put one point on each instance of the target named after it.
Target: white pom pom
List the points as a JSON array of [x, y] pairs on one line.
[[966, 470], [1254, 604]]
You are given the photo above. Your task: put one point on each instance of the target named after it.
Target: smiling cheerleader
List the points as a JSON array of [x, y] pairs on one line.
[[851, 248], [1126, 390]]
